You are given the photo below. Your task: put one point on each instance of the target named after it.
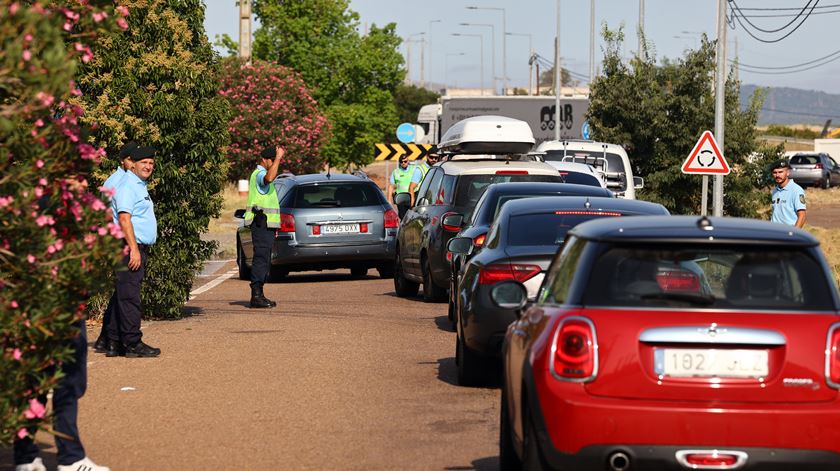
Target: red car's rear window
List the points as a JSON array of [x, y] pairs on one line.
[[719, 278]]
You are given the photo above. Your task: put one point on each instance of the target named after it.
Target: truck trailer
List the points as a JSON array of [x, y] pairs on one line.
[[538, 111]]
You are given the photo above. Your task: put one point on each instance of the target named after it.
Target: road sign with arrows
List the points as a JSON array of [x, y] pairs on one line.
[[394, 151], [706, 158]]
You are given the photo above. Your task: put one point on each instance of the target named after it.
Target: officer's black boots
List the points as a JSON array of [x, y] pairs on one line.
[[258, 299]]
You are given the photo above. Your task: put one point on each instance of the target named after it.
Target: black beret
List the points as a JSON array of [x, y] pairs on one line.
[[129, 146], [269, 153], [781, 164], [141, 153]]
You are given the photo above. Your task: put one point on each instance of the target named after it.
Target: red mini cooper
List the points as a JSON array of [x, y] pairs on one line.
[[674, 343]]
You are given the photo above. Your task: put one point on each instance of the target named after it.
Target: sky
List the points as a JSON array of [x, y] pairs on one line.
[[671, 26]]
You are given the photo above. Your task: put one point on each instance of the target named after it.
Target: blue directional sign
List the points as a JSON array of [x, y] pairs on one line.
[[585, 131], [406, 132]]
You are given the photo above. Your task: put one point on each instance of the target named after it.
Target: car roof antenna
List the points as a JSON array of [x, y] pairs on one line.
[[587, 204]]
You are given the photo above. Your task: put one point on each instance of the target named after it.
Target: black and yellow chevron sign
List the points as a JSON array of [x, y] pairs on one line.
[[394, 151]]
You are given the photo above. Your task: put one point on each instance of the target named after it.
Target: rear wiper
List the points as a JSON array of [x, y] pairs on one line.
[[703, 300], [326, 203]]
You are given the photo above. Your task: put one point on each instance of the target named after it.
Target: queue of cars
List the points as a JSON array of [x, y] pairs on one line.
[[623, 338]]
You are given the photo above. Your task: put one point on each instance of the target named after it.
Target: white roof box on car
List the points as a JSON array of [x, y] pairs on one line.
[[488, 135]]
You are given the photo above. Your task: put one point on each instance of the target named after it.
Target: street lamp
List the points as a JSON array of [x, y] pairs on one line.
[[431, 51], [492, 50], [446, 66], [408, 42], [481, 53], [504, 41], [530, 54]]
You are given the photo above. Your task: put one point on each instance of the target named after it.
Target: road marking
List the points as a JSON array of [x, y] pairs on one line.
[[219, 280]]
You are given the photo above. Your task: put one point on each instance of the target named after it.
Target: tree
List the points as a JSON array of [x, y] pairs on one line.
[[408, 99], [547, 80], [271, 105], [54, 226], [352, 77], [658, 111], [157, 83]]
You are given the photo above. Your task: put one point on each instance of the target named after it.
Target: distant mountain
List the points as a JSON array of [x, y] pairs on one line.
[[784, 105]]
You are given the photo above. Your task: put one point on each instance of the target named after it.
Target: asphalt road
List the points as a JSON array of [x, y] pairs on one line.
[[341, 375]]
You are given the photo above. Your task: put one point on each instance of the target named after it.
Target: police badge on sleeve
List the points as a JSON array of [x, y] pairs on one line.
[[802, 198]]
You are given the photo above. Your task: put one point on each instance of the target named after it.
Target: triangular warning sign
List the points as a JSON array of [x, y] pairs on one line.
[[706, 158]]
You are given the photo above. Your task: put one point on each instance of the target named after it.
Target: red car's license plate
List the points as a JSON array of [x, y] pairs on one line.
[[723, 363]]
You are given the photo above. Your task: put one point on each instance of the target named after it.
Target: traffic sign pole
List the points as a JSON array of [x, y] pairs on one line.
[[720, 93], [704, 205]]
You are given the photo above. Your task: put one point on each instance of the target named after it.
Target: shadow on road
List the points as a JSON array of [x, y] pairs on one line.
[[47, 454], [321, 278], [491, 463], [446, 371], [443, 323]]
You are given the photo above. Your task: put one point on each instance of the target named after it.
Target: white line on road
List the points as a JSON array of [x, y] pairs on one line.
[[212, 284]]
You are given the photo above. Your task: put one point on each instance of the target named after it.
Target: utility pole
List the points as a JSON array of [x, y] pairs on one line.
[[481, 53], [492, 50], [530, 58], [245, 30], [591, 43], [557, 77], [422, 62], [720, 93]]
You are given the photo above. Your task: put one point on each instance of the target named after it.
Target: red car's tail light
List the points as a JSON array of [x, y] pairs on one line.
[[711, 459], [287, 223], [497, 272], [363, 227], [819, 166], [511, 172], [392, 221], [447, 227], [678, 280], [316, 230], [574, 351], [479, 240], [587, 213], [448, 256], [832, 357]]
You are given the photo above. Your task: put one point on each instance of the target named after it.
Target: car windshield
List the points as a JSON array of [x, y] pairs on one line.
[[471, 187], [579, 178], [609, 163], [719, 278], [338, 194], [547, 228], [804, 159]]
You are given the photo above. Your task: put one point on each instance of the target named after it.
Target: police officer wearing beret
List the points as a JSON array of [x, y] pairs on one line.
[[787, 198], [262, 215], [135, 213]]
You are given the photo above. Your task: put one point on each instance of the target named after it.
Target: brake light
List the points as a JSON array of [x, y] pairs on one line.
[[363, 227], [587, 213], [287, 223], [497, 272], [678, 280], [832, 357], [574, 350], [820, 166], [447, 227], [316, 230], [479, 240], [392, 221], [448, 256], [511, 172]]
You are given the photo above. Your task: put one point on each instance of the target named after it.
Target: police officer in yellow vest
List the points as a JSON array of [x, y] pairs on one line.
[[262, 215], [423, 167], [403, 180]]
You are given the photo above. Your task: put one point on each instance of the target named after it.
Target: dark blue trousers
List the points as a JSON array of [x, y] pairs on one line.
[[65, 405], [126, 307], [262, 238]]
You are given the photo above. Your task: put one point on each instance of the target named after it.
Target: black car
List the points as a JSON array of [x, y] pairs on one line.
[[451, 188], [327, 222], [519, 246], [476, 225]]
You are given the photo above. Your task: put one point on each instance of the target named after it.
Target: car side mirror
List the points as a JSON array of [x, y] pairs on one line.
[[239, 214], [460, 245], [402, 199], [638, 183], [452, 222], [510, 295]]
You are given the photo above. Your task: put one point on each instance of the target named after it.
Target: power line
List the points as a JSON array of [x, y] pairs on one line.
[[786, 67], [739, 16], [798, 15], [785, 15], [786, 8], [789, 71], [800, 113]]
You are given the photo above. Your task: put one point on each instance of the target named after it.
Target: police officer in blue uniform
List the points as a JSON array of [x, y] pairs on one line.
[[787, 198], [136, 216], [112, 182]]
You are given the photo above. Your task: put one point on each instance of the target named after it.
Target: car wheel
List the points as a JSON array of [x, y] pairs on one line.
[[470, 366], [431, 292], [358, 272], [508, 459], [826, 182], [244, 271], [451, 311], [403, 287], [278, 274]]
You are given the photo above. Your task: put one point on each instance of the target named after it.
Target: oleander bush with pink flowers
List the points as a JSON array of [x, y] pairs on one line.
[[55, 230], [271, 105]]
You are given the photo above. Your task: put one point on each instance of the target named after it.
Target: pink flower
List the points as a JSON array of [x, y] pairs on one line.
[[13, 304], [42, 181], [5, 201], [99, 16], [44, 220], [115, 230], [36, 410], [122, 23], [39, 123], [102, 231], [30, 258], [13, 8], [109, 192], [122, 10], [22, 433], [39, 163], [45, 98], [97, 205], [16, 354], [27, 55], [90, 152]]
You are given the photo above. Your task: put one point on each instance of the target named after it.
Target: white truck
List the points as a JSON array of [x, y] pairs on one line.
[[537, 111]]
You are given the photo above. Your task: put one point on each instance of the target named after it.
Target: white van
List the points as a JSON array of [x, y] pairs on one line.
[[611, 159]]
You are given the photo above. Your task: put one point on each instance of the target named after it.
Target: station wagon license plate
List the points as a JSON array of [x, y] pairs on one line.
[[680, 362], [339, 228]]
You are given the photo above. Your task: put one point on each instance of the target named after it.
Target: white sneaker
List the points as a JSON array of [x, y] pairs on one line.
[[35, 465], [84, 464]]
